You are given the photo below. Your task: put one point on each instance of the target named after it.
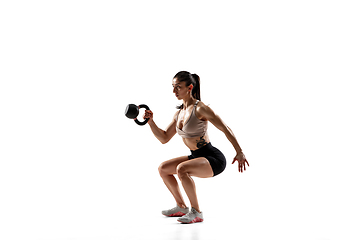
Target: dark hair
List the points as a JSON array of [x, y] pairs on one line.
[[188, 78]]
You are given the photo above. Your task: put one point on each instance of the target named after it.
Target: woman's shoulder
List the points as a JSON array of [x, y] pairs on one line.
[[201, 106], [203, 110]]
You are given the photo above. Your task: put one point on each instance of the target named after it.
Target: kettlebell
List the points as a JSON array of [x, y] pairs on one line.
[[132, 111]]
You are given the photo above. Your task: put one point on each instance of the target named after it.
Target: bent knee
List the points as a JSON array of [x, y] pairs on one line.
[[181, 171], [164, 170], [161, 169]]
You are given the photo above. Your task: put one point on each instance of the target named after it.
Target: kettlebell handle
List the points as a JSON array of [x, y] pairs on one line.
[[146, 119]]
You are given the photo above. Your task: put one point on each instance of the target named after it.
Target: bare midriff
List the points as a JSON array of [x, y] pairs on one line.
[[197, 142]]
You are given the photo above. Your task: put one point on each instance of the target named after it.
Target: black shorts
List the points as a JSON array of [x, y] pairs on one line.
[[215, 157]]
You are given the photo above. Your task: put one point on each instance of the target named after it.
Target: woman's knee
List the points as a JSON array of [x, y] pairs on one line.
[[170, 167], [181, 171], [161, 169], [164, 169]]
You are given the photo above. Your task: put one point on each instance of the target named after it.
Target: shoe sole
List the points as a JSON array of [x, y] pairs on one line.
[[178, 214], [197, 219]]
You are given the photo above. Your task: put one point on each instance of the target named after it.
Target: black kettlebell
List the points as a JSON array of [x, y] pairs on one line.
[[132, 111]]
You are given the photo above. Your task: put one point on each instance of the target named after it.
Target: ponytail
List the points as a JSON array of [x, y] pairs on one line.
[[196, 90]]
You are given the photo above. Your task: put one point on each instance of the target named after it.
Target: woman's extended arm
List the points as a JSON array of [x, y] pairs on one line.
[[209, 114], [161, 135]]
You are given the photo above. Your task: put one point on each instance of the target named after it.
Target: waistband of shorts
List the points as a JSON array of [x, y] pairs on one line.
[[202, 149]]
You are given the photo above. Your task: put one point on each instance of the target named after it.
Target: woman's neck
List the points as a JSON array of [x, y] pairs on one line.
[[188, 102]]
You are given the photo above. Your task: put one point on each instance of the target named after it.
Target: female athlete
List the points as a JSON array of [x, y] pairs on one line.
[[205, 161]]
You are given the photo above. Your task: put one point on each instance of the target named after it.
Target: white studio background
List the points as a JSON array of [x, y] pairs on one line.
[[283, 75]]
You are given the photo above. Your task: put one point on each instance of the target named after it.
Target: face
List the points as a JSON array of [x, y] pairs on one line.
[[180, 89]]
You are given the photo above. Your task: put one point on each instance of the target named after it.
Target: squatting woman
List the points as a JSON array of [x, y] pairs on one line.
[[191, 122]]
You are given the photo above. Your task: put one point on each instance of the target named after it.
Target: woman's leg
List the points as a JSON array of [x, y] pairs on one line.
[[167, 170], [198, 167]]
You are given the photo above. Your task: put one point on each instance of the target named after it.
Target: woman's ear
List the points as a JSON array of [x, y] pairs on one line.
[[191, 87]]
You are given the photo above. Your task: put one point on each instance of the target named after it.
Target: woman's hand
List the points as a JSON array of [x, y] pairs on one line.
[[148, 114], [240, 157]]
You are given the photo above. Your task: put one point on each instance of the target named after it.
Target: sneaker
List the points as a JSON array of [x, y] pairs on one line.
[[175, 212], [192, 217]]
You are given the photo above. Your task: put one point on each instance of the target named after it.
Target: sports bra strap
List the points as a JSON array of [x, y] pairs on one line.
[[196, 103]]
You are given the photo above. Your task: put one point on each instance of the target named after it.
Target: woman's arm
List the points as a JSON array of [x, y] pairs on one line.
[[161, 135], [209, 114]]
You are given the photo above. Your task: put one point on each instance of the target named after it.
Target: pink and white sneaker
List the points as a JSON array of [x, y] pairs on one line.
[[175, 212], [192, 217]]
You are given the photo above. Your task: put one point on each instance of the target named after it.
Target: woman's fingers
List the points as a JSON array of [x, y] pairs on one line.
[[148, 114], [242, 165]]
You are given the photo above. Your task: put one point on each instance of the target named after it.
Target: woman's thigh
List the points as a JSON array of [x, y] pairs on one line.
[[169, 167], [197, 167]]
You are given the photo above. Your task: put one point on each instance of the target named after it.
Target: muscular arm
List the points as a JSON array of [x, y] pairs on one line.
[[161, 135], [209, 114]]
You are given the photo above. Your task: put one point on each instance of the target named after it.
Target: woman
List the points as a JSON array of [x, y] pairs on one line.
[[205, 161]]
